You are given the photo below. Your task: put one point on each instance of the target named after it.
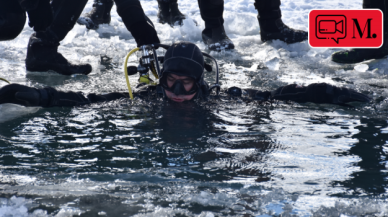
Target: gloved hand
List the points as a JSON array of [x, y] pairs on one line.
[[253, 94], [318, 93], [342, 95], [41, 17], [20, 94], [234, 91]]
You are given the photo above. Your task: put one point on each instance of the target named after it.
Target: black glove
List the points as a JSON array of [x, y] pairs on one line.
[[23, 95], [106, 97], [41, 17], [253, 94], [318, 93], [342, 95], [234, 91]]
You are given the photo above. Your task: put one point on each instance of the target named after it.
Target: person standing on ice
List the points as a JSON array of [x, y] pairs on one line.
[[181, 80], [359, 55], [100, 14], [42, 50], [214, 36], [13, 16], [269, 17]]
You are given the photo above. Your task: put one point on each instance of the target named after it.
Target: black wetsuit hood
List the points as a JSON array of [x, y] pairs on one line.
[[185, 59]]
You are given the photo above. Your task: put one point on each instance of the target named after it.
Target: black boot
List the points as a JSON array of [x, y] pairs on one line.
[[175, 15], [100, 14], [359, 55], [164, 12], [216, 39], [214, 35], [276, 29], [170, 13], [42, 55], [272, 26]]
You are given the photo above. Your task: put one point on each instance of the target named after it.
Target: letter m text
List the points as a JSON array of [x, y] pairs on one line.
[[356, 25]]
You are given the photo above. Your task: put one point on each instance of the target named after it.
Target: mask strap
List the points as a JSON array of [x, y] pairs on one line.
[[215, 85]]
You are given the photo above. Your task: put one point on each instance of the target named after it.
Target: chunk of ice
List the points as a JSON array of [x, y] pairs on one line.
[[273, 63], [361, 67], [206, 214], [12, 111]]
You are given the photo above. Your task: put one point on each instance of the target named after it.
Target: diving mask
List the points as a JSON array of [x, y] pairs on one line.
[[178, 87]]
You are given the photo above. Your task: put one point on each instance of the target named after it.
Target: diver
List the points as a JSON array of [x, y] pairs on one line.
[[181, 80], [362, 54], [42, 51], [269, 17], [13, 16], [100, 14]]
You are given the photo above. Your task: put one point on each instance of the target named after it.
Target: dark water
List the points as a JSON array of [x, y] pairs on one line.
[[220, 158], [223, 157]]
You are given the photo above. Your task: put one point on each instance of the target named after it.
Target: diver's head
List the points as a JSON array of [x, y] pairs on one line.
[[182, 71]]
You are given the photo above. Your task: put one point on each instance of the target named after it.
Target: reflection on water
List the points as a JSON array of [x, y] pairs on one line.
[[372, 178], [108, 139], [227, 158]]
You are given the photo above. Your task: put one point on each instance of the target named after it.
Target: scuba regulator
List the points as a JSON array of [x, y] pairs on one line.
[[149, 61]]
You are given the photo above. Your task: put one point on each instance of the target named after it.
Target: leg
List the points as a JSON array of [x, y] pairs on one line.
[[100, 14], [12, 19], [169, 12], [66, 13], [42, 51], [214, 33], [359, 55], [140, 26], [271, 24]]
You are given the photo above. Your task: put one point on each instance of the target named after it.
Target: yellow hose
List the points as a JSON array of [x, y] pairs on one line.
[[153, 70], [126, 71], [2, 79]]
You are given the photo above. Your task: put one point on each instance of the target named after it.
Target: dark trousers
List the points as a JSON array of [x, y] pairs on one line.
[[134, 18], [66, 13], [268, 9], [131, 12], [12, 19], [383, 6], [212, 13]]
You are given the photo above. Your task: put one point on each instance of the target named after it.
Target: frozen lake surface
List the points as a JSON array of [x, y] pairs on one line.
[[219, 158]]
